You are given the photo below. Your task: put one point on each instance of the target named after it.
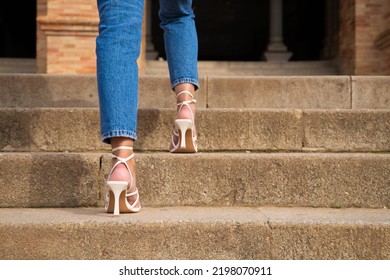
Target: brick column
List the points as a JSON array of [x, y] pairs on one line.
[[66, 34], [347, 52], [382, 42], [369, 23], [363, 47]]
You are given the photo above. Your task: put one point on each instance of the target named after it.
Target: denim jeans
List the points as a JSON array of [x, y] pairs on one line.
[[117, 50]]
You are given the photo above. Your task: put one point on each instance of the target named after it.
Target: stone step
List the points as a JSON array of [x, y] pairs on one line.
[[157, 67], [196, 233], [304, 92], [204, 179], [251, 68], [77, 130], [17, 65]]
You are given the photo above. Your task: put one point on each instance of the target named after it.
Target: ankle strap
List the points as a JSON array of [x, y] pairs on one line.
[[187, 102], [122, 160], [122, 148], [183, 92]]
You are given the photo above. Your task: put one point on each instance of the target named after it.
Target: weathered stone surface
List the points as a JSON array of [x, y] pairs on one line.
[[308, 180], [239, 179], [72, 129], [49, 180], [347, 130], [302, 92], [18, 65], [230, 129], [205, 182], [251, 68], [279, 92], [370, 92], [77, 130], [48, 129], [43, 90], [226, 129], [155, 92], [196, 233]]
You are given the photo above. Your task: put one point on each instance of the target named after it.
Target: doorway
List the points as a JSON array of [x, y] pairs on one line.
[[18, 29], [234, 30]]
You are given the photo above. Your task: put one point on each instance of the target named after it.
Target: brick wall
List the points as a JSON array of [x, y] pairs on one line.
[[41, 38], [386, 32], [382, 42], [347, 46], [369, 23], [364, 41]]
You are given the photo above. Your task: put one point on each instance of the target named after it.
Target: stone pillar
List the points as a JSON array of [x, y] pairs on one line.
[[276, 50]]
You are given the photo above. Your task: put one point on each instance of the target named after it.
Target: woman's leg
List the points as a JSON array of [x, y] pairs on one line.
[[181, 41], [181, 46], [117, 50]]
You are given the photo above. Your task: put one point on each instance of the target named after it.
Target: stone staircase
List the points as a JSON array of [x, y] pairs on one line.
[[289, 168]]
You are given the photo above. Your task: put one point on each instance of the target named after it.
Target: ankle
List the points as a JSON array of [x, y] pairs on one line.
[[185, 96], [184, 87], [185, 105], [117, 142], [123, 164], [122, 146], [122, 154]]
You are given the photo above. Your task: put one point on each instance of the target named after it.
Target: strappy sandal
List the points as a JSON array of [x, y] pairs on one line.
[[119, 191], [184, 129]]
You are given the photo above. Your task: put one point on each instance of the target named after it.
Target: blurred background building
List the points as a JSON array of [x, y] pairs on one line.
[[350, 37]]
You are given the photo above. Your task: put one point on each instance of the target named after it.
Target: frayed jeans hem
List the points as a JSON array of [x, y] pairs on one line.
[[106, 137]]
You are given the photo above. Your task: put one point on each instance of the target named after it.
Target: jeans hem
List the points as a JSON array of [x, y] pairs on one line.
[[185, 80], [118, 133]]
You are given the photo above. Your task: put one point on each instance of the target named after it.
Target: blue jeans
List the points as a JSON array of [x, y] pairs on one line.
[[117, 51]]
